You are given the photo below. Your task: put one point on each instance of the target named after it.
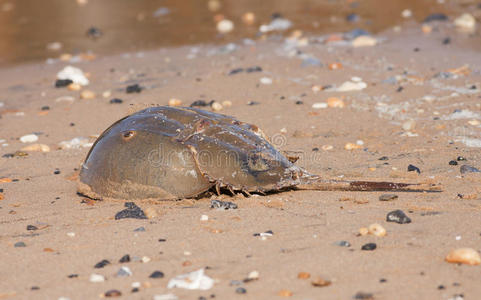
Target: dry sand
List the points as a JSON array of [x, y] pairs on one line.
[[75, 233]]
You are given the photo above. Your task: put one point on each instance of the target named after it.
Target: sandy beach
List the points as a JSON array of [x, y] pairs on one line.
[[407, 96]]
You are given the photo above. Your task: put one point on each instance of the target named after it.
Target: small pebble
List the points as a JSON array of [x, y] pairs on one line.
[[369, 247], [132, 211], [97, 278], [453, 163], [363, 296], [124, 259], [225, 26], [112, 293], [124, 272], [377, 230], [284, 293], [139, 229], [199, 103], [56, 172], [74, 87], [116, 101], [204, 218], [351, 146], [36, 148], [72, 276], [461, 158], [175, 102], [335, 102], [222, 204], [435, 17], [101, 264], [320, 282], [467, 256], [134, 88], [468, 169], [34, 288], [388, 197], [364, 41], [94, 32], [398, 216], [412, 168], [59, 83], [19, 245], [87, 94], [342, 244], [157, 274], [32, 227], [319, 105], [29, 138], [240, 290], [265, 80], [303, 275], [253, 275], [216, 106]]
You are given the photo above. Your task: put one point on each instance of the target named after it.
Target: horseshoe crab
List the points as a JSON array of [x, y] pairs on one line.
[[173, 153]]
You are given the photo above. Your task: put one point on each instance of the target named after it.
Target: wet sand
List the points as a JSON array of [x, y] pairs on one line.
[[403, 82]]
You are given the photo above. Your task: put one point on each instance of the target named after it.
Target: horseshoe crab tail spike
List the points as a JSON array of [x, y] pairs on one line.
[[319, 184]]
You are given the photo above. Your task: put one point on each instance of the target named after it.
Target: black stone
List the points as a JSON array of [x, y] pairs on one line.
[[202, 298], [135, 290], [446, 41], [134, 88], [140, 229], [254, 69], [116, 101], [369, 246], [72, 276], [468, 169], [101, 264], [34, 288], [32, 227], [56, 172], [59, 83], [363, 296], [235, 71], [383, 158], [460, 158], [399, 89], [299, 102], [94, 32], [200, 103], [416, 49], [162, 240], [157, 274], [132, 211], [398, 216], [412, 168], [435, 17], [252, 103], [222, 204], [240, 290], [382, 280], [19, 244], [441, 287], [453, 163], [315, 149], [124, 259], [1, 190], [46, 107]]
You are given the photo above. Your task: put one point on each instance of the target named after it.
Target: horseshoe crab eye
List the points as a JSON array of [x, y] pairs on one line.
[[127, 135]]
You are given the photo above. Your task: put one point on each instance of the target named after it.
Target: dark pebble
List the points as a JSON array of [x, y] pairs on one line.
[[342, 244], [382, 280], [353, 18], [1, 190], [134, 88], [435, 17], [441, 287], [59, 83], [157, 274], [56, 172], [235, 282], [202, 298], [235, 71], [240, 290], [132, 211], [46, 107], [94, 32], [398, 216], [113, 293], [72, 276], [116, 101], [254, 69], [101, 264], [140, 229], [460, 158], [399, 89], [162, 240], [72, 124], [412, 168], [124, 259], [135, 290], [315, 149], [299, 102], [383, 158], [19, 244], [446, 41], [222, 204], [468, 169], [34, 288], [32, 227], [363, 296], [369, 246], [199, 103], [252, 103], [453, 163], [388, 197]]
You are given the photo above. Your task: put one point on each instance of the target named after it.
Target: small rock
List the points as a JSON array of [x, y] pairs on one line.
[[465, 22], [124, 272], [19, 245], [435, 17], [36, 148], [94, 33], [388, 197], [412, 168], [466, 256], [216, 106], [116, 101], [335, 102], [132, 211], [73, 74], [319, 105], [363, 231], [350, 86], [226, 103], [342, 244], [461, 158], [32, 227], [157, 274], [364, 41], [468, 169], [101, 264], [254, 69], [351, 146], [62, 83], [225, 26], [72, 276], [265, 80], [253, 275], [139, 229], [175, 102], [248, 18], [124, 259], [320, 282], [74, 87], [398, 216], [87, 94], [199, 103], [377, 230], [112, 293], [406, 13], [165, 297], [204, 218], [369, 247], [29, 138], [303, 275], [284, 293], [453, 163], [145, 259], [240, 290], [277, 24], [96, 278], [134, 88], [222, 204], [363, 296]]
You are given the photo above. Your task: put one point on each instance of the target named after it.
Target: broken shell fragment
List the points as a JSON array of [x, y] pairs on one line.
[[467, 256]]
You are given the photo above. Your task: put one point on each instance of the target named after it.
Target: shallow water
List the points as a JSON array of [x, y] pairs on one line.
[[28, 26]]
